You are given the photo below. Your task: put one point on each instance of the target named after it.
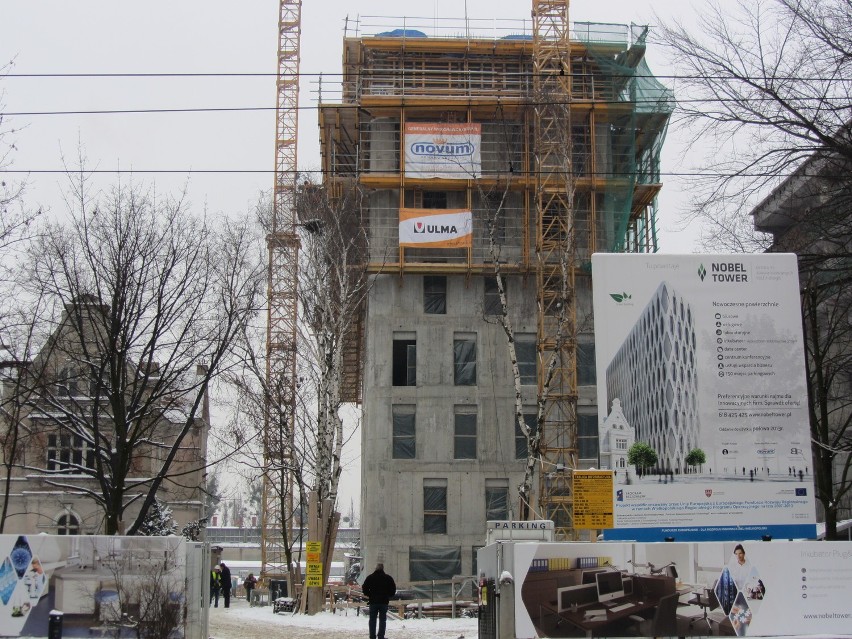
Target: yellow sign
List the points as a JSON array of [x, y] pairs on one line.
[[313, 546], [314, 569], [593, 504], [313, 581], [313, 557]]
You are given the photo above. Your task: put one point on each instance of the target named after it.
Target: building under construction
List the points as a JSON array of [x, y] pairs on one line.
[[532, 145]]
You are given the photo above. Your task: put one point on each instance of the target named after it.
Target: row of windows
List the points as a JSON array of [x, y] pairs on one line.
[[465, 433], [404, 355], [435, 295]]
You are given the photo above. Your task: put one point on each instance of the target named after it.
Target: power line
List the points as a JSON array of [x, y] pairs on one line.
[[324, 172], [379, 74], [531, 103]]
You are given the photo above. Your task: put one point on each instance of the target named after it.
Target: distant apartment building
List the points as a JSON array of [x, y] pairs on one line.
[[47, 425], [439, 133]]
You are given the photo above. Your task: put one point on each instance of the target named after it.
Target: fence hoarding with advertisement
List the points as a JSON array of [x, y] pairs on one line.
[[114, 586], [753, 589]]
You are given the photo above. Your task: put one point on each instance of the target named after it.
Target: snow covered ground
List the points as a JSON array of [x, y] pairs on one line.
[[243, 622]]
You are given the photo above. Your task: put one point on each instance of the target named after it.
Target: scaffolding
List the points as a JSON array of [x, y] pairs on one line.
[[572, 124]]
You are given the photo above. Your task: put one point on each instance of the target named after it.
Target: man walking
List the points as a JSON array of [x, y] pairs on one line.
[[378, 587], [226, 584]]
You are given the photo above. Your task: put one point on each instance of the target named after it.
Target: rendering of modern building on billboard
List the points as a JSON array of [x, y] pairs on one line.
[[655, 377]]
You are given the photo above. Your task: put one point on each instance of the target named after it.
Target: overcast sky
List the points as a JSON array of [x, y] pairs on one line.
[[217, 37]]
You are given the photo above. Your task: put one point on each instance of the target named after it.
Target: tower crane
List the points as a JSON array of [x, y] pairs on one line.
[[283, 254], [555, 269]]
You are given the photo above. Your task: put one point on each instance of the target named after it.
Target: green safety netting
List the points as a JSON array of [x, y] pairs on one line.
[[634, 129]]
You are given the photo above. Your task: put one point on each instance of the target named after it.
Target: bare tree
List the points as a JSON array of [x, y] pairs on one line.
[[826, 306], [147, 304], [15, 218], [494, 199], [769, 90], [333, 286], [764, 88], [19, 336], [16, 223]]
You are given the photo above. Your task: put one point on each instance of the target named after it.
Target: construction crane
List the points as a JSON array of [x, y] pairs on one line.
[[283, 250], [555, 267]]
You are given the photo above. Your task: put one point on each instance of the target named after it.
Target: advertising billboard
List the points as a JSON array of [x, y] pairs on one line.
[[442, 150], [701, 381], [752, 589]]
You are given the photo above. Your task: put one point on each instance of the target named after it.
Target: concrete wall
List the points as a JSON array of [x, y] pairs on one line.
[[392, 516]]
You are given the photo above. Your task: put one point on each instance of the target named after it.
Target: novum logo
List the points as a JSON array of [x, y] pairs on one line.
[[702, 272], [621, 297]]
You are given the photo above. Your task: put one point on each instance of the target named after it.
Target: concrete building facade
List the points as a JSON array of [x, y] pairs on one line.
[[441, 451]]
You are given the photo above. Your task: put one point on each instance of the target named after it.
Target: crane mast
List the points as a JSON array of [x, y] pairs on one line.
[[555, 267], [283, 253]]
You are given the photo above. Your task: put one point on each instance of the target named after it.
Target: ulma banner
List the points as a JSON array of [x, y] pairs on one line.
[[450, 151], [435, 228]]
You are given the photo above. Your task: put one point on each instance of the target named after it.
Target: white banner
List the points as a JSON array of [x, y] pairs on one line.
[[435, 150], [436, 228], [701, 358]]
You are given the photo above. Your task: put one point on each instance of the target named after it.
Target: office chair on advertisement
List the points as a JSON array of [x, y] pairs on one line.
[[708, 602], [664, 621]]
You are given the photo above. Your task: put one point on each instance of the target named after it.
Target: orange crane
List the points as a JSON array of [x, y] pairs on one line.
[[283, 250], [556, 268]]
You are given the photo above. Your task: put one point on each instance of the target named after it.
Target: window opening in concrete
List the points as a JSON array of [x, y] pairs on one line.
[[586, 373], [496, 499], [435, 507], [426, 563], [464, 360], [521, 451], [587, 437], [491, 301], [434, 199], [404, 432], [404, 362], [525, 349], [435, 294], [464, 442]]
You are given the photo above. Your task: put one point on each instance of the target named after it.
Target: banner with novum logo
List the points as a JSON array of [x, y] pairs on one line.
[[436, 150], [435, 228], [702, 396]]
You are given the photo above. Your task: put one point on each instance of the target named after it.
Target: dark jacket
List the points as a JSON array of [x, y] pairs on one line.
[[379, 587], [226, 577], [249, 582]]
